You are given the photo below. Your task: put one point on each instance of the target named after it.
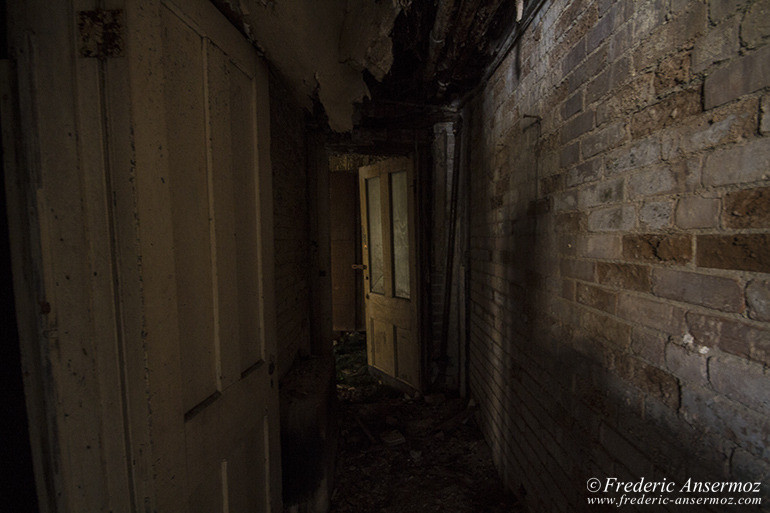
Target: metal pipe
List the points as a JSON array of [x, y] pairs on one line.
[[449, 266], [438, 35]]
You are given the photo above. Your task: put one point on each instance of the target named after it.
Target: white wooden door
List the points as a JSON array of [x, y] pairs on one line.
[[139, 187], [387, 191], [221, 429]]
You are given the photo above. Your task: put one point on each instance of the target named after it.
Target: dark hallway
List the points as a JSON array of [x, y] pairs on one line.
[[386, 255]]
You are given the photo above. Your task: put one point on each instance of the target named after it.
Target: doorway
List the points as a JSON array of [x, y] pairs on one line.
[[374, 264], [346, 269]]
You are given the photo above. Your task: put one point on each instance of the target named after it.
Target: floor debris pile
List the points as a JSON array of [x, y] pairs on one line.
[[400, 453]]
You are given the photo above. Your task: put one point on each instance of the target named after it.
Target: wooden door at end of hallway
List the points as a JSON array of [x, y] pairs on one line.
[[391, 281]]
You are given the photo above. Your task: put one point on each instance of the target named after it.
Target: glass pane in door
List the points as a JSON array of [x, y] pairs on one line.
[[399, 208]]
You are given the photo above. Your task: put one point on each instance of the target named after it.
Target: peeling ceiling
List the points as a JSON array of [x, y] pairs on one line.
[[322, 47], [371, 62]]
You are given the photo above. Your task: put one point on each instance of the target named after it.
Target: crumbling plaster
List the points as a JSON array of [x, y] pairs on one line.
[[322, 47]]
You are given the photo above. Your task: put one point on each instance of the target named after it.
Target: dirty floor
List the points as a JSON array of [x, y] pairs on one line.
[[405, 454]]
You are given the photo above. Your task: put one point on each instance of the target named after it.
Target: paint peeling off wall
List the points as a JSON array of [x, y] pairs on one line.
[[322, 47]]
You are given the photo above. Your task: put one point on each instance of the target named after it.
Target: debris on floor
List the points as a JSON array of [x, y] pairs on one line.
[[399, 453]]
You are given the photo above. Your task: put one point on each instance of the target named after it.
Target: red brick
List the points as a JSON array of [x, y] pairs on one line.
[[742, 381], [687, 365], [650, 379], [732, 123], [748, 208], [551, 184], [598, 87], [649, 345], [579, 125], [743, 340], [656, 215], [592, 65], [721, 9], [705, 329], [697, 212], [620, 72], [666, 112], [680, 176], [756, 24], [600, 246], [741, 76], [627, 99], [604, 327], [672, 71], [621, 41], [620, 218], [658, 248], [573, 105], [651, 313], [574, 57], [764, 124], [601, 140], [585, 172], [624, 276], [750, 252], [596, 297], [600, 31], [572, 222], [738, 164], [607, 191], [710, 291], [718, 44], [731, 336], [701, 407], [569, 155], [677, 33], [639, 154], [579, 269], [568, 290], [565, 201], [758, 299]]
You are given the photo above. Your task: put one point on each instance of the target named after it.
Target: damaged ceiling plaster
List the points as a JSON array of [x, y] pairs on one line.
[[322, 47]]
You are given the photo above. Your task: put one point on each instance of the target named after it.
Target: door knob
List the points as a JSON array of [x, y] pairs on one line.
[[361, 267]]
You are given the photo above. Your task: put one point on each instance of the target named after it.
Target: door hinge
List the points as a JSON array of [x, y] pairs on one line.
[[101, 33]]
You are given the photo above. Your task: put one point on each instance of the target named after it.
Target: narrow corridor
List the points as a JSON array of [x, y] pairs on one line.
[[550, 217], [398, 453]]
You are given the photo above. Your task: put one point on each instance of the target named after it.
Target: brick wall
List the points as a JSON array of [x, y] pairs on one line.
[[620, 247], [288, 153]]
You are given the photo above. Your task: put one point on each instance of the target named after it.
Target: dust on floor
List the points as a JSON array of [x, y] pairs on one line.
[[405, 454]]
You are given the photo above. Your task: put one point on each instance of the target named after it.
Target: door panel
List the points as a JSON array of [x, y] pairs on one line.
[[212, 85], [408, 355], [374, 232], [189, 206], [390, 279], [399, 208]]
